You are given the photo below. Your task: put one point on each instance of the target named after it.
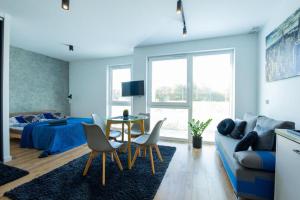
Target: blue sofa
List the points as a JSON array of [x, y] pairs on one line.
[[253, 179]]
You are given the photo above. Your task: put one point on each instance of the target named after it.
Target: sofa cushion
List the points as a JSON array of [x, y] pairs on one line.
[[265, 128], [251, 122], [259, 160], [239, 128], [226, 126], [247, 141], [261, 182]]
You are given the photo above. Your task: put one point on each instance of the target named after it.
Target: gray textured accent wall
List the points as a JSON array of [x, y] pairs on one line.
[[37, 82]]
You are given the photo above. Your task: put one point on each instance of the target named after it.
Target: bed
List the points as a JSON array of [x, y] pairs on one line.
[[16, 129], [53, 139]]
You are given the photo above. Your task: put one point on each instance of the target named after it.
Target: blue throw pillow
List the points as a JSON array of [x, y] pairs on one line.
[[226, 126], [247, 141], [49, 116], [21, 119]]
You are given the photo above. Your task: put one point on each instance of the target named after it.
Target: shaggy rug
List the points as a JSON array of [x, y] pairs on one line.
[[9, 174], [67, 182]]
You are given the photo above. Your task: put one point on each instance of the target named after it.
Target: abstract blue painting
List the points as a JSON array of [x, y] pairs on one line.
[[283, 50]]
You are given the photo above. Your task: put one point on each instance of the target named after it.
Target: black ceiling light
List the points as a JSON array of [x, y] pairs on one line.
[[65, 4], [184, 31], [181, 11], [179, 7], [71, 48]]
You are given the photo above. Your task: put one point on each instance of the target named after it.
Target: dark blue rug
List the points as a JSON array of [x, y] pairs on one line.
[[9, 174], [67, 182]]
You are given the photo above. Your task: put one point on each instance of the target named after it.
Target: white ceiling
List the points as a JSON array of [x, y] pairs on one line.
[[99, 28]]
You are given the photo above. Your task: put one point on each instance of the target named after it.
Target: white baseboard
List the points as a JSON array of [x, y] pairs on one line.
[[7, 159]]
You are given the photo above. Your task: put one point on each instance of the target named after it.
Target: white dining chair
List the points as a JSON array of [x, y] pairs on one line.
[[149, 141]]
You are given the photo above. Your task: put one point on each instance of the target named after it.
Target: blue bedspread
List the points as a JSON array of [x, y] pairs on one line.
[[54, 139]]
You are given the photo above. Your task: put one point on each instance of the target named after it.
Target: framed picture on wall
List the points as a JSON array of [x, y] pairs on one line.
[[283, 50]]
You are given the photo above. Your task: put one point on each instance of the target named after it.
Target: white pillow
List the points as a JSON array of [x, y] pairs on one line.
[[13, 121], [20, 125]]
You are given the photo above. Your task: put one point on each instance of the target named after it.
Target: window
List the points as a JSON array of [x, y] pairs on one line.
[[190, 86], [169, 80], [169, 96], [117, 103], [212, 89]]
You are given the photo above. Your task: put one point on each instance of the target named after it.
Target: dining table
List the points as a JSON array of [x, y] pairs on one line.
[[128, 121]]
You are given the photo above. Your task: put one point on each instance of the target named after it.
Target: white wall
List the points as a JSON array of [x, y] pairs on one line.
[[88, 78], [245, 66], [5, 114], [88, 83], [283, 95]]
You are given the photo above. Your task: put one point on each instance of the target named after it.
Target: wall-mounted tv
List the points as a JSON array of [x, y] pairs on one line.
[[133, 88]]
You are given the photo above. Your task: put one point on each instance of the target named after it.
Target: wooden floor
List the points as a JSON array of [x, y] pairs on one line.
[[192, 174]]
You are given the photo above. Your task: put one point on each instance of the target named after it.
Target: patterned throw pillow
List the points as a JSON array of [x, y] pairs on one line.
[[58, 115], [20, 119], [49, 116], [31, 118]]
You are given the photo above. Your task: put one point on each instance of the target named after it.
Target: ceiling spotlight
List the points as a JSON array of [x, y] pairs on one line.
[[65, 4], [184, 31], [179, 7], [71, 48]]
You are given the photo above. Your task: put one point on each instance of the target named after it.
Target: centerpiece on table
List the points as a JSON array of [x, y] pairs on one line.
[[125, 114]]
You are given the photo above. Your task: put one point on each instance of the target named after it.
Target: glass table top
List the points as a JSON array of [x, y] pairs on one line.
[[130, 118]]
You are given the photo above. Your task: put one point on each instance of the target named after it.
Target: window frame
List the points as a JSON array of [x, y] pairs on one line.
[[150, 75], [189, 103], [111, 102]]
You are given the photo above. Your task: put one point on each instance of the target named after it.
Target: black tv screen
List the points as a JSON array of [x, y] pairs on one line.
[[133, 88]]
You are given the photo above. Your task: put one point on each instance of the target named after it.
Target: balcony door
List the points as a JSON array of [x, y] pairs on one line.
[[168, 95], [212, 89], [190, 86]]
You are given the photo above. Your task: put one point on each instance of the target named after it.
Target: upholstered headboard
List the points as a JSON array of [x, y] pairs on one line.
[[30, 113]]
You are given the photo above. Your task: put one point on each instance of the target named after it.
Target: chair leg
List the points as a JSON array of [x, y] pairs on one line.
[[145, 151], [88, 163], [135, 155], [158, 153], [112, 156], [103, 168], [118, 160], [151, 160]]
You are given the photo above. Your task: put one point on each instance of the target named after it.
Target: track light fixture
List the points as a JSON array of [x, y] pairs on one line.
[[181, 11], [71, 48], [184, 31], [179, 7], [65, 4]]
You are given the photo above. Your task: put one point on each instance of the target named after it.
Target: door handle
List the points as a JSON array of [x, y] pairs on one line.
[[296, 151]]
